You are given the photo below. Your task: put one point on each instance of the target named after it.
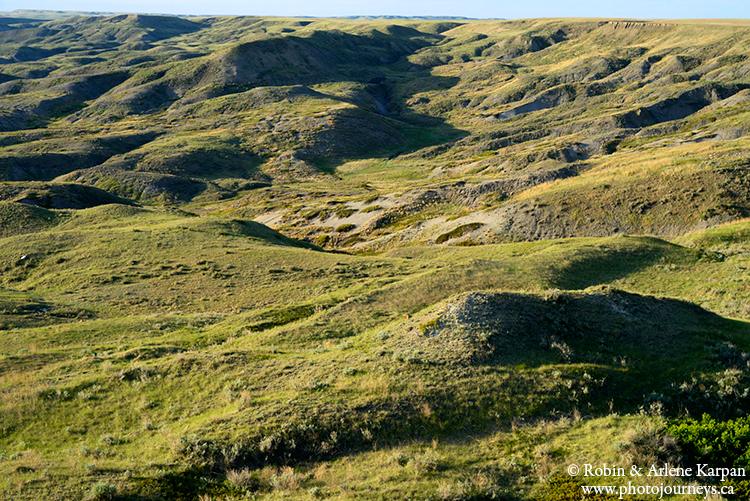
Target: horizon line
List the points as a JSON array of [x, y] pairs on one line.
[[374, 17]]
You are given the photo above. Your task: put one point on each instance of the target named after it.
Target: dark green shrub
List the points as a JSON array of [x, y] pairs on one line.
[[717, 443]]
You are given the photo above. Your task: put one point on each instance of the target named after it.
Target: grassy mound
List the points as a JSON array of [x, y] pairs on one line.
[[59, 196], [606, 328], [17, 218], [724, 237]]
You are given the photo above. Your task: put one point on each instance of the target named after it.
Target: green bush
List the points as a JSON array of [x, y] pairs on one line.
[[717, 443], [720, 444]]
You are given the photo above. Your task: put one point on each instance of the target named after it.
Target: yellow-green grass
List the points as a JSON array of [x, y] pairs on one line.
[[99, 396]]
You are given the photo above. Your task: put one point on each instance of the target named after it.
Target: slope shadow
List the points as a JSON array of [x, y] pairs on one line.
[[590, 266]]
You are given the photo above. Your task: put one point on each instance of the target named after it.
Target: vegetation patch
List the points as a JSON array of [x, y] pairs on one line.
[[458, 232]]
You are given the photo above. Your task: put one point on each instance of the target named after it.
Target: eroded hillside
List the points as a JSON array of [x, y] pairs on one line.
[[517, 130]]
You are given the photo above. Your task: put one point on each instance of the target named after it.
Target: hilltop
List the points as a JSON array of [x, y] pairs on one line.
[[368, 258]]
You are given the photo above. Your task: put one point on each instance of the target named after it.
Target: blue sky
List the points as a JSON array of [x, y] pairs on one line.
[[476, 8]]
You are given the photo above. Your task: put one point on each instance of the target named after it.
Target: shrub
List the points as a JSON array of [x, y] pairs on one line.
[[243, 479], [650, 444], [429, 327], [725, 393], [136, 374], [111, 440], [344, 228], [295, 442], [726, 355], [102, 492], [197, 451], [180, 485], [426, 462], [316, 492], [316, 385], [400, 458], [718, 443], [565, 488], [287, 479], [422, 463], [383, 335], [478, 486]]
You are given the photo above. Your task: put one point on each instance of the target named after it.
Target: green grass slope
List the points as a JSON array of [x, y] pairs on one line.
[[155, 351]]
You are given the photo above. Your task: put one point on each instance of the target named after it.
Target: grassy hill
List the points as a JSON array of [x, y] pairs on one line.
[[416, 259]]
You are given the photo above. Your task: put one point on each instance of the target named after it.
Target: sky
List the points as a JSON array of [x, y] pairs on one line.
[[515, 9]]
